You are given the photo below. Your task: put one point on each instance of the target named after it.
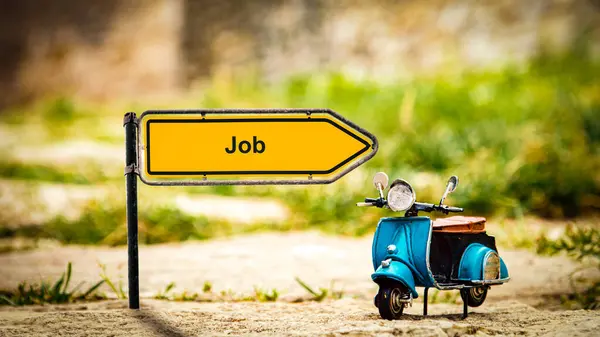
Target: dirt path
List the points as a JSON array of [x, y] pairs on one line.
[[273, 261]]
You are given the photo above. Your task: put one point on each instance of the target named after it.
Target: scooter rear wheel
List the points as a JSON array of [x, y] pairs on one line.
[[476, 295], [389, 302]]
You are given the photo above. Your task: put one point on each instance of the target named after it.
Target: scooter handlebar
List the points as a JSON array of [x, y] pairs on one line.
[[377, 202], [455, 209], [431, 207]]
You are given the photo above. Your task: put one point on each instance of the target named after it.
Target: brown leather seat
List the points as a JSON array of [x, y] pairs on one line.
[[460, 224]]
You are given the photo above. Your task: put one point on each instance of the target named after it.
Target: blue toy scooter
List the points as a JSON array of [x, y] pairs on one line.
[[414, 251]]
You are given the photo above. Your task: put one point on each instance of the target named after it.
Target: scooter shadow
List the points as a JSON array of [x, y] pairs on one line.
[[458, 317]]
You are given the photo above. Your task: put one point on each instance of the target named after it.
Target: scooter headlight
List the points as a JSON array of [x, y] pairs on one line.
[[401, 196], [491, 266]]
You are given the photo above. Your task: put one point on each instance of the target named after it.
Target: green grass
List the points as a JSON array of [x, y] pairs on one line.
[[580, 243], [184, 296], [583, 245], [117, 289], [86, 175], [164, 295], [262, 295], [259, 295], [50, 293], [323, 293], [104, 223], [207, 287]]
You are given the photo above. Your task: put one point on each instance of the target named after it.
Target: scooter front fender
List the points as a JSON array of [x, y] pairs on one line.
[[474, 262], [397, 272]]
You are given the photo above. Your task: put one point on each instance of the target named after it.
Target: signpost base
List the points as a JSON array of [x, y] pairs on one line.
[[131, 172]]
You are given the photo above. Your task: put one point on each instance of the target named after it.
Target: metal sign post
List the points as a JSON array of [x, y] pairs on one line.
[[131, 171], [235, 147]]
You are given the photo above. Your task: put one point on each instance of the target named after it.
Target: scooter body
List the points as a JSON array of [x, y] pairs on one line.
[[403, 252], [414, 251]]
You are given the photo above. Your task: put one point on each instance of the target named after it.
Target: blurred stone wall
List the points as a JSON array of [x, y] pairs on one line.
[[98, 49], [132, 49]]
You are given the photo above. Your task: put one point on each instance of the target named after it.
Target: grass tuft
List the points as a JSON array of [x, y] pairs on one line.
[[583, 245], [207, 287], [163, 295], [184, 296], [323, 293], [117, 289], [259, 295], [50, 293], [266, 295]]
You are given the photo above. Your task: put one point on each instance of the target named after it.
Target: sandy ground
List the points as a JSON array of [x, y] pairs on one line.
[[346, 317], [273, 261]]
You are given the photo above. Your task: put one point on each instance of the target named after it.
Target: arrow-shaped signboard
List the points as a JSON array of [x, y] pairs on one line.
[[217, 147]]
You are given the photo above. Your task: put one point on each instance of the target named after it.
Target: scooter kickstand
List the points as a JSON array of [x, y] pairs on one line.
[[425, 301], [465, 304]]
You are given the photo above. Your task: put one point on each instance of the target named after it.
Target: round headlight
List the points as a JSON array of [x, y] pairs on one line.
[[491, 266], [401, 196]]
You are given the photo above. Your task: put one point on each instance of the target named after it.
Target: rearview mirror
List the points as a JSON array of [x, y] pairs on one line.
[[450, 187], [452, 183], [380, 180]]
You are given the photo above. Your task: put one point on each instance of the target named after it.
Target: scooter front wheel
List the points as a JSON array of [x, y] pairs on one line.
[[390, 302], [476, 295]]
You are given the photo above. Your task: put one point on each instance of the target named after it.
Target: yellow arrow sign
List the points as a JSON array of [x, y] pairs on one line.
[[206, 147]]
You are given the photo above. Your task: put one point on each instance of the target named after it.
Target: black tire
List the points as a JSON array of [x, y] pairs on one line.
[[476, 295], [388, 301]]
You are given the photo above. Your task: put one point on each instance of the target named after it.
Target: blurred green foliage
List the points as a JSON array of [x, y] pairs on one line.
[[523, 140], [40, 172], [102, 223], [61, 110], [583, 245], [580, 243]]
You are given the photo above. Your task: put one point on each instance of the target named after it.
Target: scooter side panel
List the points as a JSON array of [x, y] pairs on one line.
[[396, 271], [411, 237], [382, 238], [447, 249]]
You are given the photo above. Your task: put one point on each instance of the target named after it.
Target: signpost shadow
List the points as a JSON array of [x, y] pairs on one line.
[[159, 325]]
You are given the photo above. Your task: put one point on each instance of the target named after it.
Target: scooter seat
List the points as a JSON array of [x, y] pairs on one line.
[[460, 224]]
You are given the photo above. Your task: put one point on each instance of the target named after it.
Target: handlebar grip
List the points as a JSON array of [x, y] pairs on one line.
[[455, 209], [364, 204]]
